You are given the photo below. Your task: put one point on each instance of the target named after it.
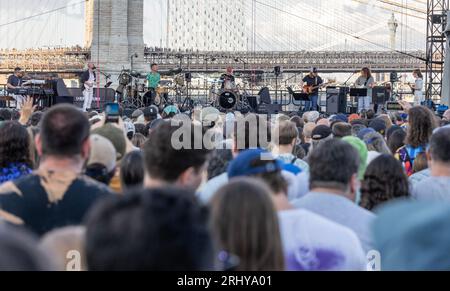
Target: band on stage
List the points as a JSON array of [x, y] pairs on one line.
[[228, 96]]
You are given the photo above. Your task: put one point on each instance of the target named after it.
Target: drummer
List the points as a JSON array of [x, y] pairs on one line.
[[228, 80], [153, 79]]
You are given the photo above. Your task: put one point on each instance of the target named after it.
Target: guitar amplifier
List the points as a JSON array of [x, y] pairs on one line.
[[337, 99], [380, 95]]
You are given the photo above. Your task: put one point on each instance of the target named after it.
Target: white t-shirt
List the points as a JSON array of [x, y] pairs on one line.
[[314, 243]]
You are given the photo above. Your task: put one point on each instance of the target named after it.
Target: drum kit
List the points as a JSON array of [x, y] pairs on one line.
[[133, 91], [223, 94], [230, 97]]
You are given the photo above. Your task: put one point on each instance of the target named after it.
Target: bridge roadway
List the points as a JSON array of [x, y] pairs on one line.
[[72, 60]]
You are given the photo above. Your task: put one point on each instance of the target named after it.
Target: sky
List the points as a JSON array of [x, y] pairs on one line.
[[306, 27]]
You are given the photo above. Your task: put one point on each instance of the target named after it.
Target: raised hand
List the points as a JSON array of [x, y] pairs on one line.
[[27, 110]]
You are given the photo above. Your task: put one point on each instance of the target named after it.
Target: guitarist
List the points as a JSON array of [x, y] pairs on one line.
[[311, 83], [88, 79], [365, 81]]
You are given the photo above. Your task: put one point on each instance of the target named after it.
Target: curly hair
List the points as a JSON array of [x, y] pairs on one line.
[[14, 144], [421, 126], [384, 180]]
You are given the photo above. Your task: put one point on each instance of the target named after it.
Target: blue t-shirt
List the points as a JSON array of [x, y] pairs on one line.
[[13, 172]]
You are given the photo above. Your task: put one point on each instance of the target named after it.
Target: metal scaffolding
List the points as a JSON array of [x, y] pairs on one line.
[[436, 41]]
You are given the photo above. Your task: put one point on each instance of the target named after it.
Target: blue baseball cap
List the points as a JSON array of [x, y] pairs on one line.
[[365, 131], [339, 117], [242, 164]]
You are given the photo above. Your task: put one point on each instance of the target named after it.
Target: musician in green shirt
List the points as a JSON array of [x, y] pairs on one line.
[[153, 79]]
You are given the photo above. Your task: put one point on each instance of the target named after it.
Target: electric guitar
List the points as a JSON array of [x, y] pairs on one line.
[[310, 89], [89, 87]]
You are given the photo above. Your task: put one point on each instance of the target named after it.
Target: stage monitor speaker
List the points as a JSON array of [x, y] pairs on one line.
[[337, 100]]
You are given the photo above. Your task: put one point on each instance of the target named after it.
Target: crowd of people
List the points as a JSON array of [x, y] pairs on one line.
[[261, 193]]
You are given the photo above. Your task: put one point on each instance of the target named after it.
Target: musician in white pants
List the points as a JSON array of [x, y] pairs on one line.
[[88, 79], [15, 82], [365, 81], [418, 87]]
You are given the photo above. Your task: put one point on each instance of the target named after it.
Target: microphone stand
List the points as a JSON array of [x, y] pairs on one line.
[[354, 73]]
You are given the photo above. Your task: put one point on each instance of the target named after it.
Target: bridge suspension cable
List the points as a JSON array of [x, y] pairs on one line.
[[335, 29]]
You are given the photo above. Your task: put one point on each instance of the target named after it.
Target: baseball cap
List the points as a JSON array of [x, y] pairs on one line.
[[313, 70], [378, 125], [115, 136], [339, 117], [102, 152], [365, 131], [129, 127], [321, 132], [151, 111], [242, 164], [171, 109]]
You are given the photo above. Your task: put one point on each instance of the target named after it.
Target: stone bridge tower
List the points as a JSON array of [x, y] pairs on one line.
[[114, 31]]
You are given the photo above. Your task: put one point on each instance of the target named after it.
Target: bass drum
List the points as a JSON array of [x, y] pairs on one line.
[[227, 100]]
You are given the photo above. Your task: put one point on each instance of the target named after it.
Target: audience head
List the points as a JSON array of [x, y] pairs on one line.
[[35, 118], [166, 164], [218, 162], [5, 114], [115, 136], [396, 140], [285, 133], [245, 223], [341, 130], [150, 113], [421, 126], [384, 181], [308, 129], [19, 251], [64, 244], [320, 134], [163, 229], [357, 128], [335, 169], [299, 122], [101, 164], [379, 125], [138, 140], [375, 142], [439, 153], [363, 153], [132, 172], [260, 164], [64, 133], [14, 145]]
